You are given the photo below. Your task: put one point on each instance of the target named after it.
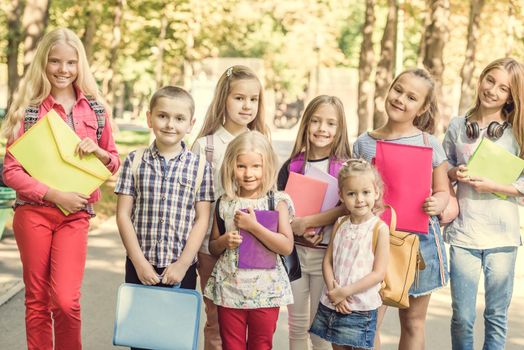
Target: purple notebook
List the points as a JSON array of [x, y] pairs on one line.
[[252, 254]]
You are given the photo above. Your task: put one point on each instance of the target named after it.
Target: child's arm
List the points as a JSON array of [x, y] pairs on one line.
[[302, 226], [219, 243], [438, 200], [339, 294], [327, 262], [281, 243], [176, 271], [145, 271]]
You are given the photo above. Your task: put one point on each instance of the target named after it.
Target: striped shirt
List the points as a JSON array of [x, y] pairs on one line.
[[164, 201]]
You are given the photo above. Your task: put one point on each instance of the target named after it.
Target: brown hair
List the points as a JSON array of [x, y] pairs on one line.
[[216, 113], [340, 148], [173, 92], [426, 121]]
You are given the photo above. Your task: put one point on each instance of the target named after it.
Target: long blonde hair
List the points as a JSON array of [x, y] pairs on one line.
[[249, 141], [426, 121], [340, 148], [35, 87], [512, 110], [216, 114]]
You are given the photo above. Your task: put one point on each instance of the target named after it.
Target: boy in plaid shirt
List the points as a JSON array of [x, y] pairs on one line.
[[164, 198]]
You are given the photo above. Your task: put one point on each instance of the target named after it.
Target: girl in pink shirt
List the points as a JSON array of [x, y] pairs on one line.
[[52, 245]]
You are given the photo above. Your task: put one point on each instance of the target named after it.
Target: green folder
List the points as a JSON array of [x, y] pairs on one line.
[[495, 163]]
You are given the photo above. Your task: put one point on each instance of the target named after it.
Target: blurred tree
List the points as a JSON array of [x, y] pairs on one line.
[[14, 38], [467, 89], [435, 37], [34, 22], [365, 67], [385, 66]]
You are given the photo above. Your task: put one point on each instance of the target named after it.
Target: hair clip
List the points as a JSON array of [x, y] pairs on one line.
[[229, 71], [355, 160]]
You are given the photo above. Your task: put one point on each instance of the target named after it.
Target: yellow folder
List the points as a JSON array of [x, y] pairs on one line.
[[47, 153], [496, 163]]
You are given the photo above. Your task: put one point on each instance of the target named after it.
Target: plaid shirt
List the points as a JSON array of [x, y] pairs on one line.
[[164, 201]]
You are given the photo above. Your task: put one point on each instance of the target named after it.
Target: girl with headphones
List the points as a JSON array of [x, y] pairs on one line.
[[486, 234]]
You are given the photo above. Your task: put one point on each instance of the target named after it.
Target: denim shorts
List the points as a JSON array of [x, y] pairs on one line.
[[433, 251], [356, 329]]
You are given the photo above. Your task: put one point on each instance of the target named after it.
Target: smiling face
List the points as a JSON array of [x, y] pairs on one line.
[[406, 99], [249, 173], [62, 67], [322, 129], [494, 89], [358, 193], [241, 104], [170, 120]]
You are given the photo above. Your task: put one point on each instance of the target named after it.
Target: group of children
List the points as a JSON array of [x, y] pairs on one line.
[[179, 211]]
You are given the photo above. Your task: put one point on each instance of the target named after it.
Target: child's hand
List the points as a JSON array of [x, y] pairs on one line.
[[232, 239], [433, 206], [70, 201], [461, 173], [336, 294], [343, 307], [299, 227], [245, 221], [482, 184], [312, 237], [87, 146], [147, 274], [174, 273]]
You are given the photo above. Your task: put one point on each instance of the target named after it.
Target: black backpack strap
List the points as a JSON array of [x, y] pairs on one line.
[[271, 200], [220, 222]]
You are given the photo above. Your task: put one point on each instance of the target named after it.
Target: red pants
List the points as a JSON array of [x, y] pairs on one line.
[[53, 252], [212, 340], [259, 323]]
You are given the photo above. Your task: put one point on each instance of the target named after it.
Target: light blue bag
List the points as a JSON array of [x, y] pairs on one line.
[[157, 318]]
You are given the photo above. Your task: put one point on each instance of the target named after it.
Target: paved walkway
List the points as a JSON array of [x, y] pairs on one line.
[[104, 273]]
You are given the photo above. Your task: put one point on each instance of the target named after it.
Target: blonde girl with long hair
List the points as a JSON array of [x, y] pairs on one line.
[[411, 107], [322, 142], [249, 299], [486, 234], [52, 245], [237, 106]]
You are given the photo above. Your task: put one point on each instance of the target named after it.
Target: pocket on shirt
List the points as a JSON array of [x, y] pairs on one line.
[[90, 126]]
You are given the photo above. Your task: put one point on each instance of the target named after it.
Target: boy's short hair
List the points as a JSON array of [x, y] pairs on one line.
[[173, 92]]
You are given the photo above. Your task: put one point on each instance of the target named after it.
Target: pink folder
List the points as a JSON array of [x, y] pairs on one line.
[[332, 197], [407, 174], [252, 254], [306, 192]]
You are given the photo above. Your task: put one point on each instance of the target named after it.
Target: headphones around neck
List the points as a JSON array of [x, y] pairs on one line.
[[494, 132]]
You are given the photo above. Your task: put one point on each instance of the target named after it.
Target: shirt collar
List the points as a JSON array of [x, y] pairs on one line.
[[153, 150], [224, 135], [49, 102]]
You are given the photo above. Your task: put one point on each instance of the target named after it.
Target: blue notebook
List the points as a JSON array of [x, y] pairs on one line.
[[157, 318]]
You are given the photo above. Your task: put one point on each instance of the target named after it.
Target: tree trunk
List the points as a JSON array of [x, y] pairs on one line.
[[108, 83], [14, 38], [365, 67], [435, 36], [89, 31], [385, 66], [34, 22], [512, 9], [467, 88], [159, 67]]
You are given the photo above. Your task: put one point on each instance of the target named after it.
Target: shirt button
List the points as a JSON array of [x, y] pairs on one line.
[[161, 221], [163, 198]]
